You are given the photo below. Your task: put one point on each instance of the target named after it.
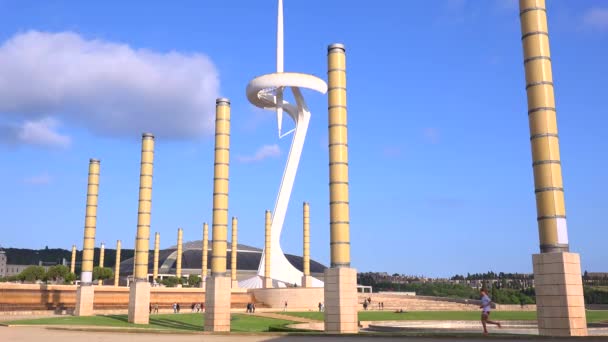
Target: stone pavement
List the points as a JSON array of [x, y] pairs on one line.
[[27, 334]]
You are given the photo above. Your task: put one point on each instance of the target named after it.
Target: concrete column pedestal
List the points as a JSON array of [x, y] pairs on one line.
[[341, 300], [306, 281], [217, 304], [267, 283], [235, 284], [85, 295], [139, 302], [559, 294]]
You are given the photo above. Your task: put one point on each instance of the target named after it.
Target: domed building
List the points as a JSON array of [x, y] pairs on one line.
[[247, 262]]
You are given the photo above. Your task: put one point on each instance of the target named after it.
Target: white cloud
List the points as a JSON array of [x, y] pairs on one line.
[[107, 87], [596, 18], [42, 179], [41, 132], [264, 152]]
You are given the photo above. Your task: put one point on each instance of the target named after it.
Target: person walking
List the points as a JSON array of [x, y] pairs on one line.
[[486, 307], [285, 306]]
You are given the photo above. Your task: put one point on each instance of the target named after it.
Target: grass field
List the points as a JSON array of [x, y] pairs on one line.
[[187, 322], [592, 316]]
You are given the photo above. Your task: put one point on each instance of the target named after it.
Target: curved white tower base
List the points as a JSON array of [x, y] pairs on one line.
[[262, 92]]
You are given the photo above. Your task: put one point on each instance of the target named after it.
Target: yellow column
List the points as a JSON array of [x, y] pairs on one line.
[[117, 265], [85, 293], [156, 256], [178, 261], [145, 206], [338, 158], [102, 251], [217, 292], [233, 254], [73, 263], [267, 250], [548, 184], [220, 187], [139, 293], [557, 272], [205, 252], [340, 288], [306, 252], [90, 224]]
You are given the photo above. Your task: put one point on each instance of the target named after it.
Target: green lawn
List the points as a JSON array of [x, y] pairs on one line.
[[187, 322], [592, 316]]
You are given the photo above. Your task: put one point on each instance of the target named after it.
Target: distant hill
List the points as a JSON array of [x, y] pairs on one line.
[[52, 256]]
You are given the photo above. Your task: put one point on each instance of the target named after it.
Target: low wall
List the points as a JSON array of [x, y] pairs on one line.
[[29, 297], [515, 307], [396, 293], [298, 298]]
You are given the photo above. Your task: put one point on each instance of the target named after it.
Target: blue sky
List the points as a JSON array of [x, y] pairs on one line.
[[440, 162]]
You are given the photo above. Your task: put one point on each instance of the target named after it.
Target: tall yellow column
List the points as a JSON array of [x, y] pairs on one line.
[[102, 251], [85, 292], [217, 315], [73, 263], [117, 265], [306, 278], [139, 295], [178, 261], [267, 250], [233, 253], [559, 293], [340, 280], [156, 256], [204, 255]]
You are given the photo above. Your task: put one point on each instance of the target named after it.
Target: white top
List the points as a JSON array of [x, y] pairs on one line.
[[485, 303]]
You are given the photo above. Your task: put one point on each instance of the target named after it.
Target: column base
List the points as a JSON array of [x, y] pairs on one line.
[[341, 301], [217, 304], [139, 302], [203, 284], [235, 284], [267, 283], [306, 281], [559, 294], [85, 296]]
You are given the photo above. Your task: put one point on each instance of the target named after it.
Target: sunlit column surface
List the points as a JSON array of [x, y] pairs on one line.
[[102, 251], [205, 251], [90, 223], [557, 272], [220, 187], [338, 158], [117, 265], [233, 252], [156, 256], [73, 263], [217, 288], [139, 292], [178, 261], [145, 206], [340, 288], [548, 184], [306, 233]]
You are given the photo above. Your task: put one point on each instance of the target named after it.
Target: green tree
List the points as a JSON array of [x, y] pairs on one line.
[[194, 280], [102, 273], [32, 274], [57, 273], [171, 281]]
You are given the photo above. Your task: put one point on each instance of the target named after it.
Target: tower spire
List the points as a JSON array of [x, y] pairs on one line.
[[279, 91]]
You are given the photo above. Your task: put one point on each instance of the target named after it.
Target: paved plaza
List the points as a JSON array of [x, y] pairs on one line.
[[27, 334]]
